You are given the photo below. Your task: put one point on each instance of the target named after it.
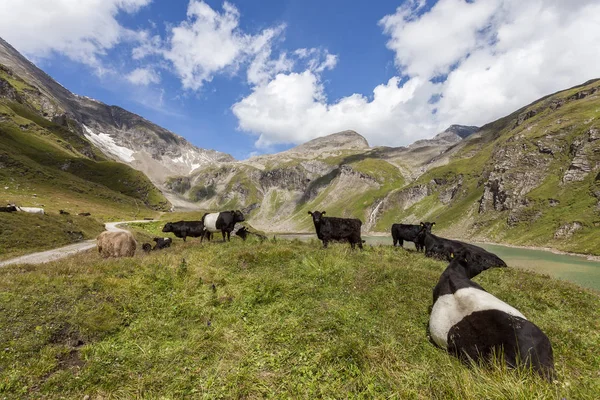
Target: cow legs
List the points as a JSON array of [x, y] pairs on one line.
[[224, 234], [325, 244]]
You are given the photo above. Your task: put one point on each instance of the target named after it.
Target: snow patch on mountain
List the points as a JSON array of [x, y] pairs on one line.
[[108, 145]]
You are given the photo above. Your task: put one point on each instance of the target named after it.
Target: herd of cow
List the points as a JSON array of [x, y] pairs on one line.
[[465, 320]]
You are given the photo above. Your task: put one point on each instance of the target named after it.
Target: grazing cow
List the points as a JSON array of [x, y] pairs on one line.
[[63, 212], [147, 247], [402, 232], [241, 231], [472, 324], [162, 243], [116, 244], [438, 247], [337, 229], [183, 229], [84, 214], [223, 222], [31, 210], [8, 209]]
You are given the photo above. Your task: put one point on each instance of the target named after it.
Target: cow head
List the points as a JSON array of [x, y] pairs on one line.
[[238, 216], [475, 261], [168, 227], [316, 216], [427, 226], [242, 232]]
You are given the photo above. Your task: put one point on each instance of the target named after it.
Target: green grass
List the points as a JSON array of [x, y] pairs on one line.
[[284, 320], [22, 233]]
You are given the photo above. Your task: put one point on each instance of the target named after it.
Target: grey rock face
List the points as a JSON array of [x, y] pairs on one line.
[[580, 165], [567, 230], [346, 140]]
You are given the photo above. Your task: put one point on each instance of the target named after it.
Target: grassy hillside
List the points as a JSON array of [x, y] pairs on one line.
[[42, 158], [513, 182], [22, 233], [274, 319]]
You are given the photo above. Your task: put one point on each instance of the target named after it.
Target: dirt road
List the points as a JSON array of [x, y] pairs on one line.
[[62, 252]]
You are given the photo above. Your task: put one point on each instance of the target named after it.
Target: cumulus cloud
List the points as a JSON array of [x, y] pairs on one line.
[[466, 62], [294, 108], [209, 42], [82, 30], [143, 76]]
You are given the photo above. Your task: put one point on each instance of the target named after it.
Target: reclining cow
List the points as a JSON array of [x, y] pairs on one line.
[[442, 248], [474, 325]]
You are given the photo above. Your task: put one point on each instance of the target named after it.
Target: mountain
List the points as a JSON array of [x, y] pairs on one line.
[[339, 172], [46, 160], [531, 177], [118, 133], [528, 178]]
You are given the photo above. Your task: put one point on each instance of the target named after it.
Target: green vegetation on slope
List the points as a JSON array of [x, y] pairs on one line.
[[22, 233], [44, 157], [538, 140], [284, 320]]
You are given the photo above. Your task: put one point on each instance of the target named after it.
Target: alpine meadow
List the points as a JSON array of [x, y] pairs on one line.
[[389, 200]]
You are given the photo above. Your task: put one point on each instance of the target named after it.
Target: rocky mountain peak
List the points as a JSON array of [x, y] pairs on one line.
[[462, 130], [345, 140]]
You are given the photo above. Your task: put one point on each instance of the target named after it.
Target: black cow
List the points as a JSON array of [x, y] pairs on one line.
[[337, 229], [63, 212], [183, 229], [162, 243], [223, 222], [473, 324], [8, 209], [402, 232], [84, 214], [438, 247]]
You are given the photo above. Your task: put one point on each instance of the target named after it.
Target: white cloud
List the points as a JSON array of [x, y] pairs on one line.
[[490, 57], [293, 108], [208, 43], [143, 76], [82, 30]]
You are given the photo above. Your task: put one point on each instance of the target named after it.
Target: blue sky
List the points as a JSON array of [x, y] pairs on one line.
[[251, 77]]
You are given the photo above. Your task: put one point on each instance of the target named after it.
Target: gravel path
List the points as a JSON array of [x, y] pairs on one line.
[[66, 251]]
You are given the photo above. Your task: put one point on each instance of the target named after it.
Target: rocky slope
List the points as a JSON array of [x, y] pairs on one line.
[[340, 173], [118, 133], [529, 178]]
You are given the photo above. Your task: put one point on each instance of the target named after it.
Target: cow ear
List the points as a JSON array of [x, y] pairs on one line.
[[433, 223], [451, 255], [310, 212], [422, 224], [323, 213]]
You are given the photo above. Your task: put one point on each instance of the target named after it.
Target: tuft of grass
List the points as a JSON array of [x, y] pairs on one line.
[[281, 319]]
